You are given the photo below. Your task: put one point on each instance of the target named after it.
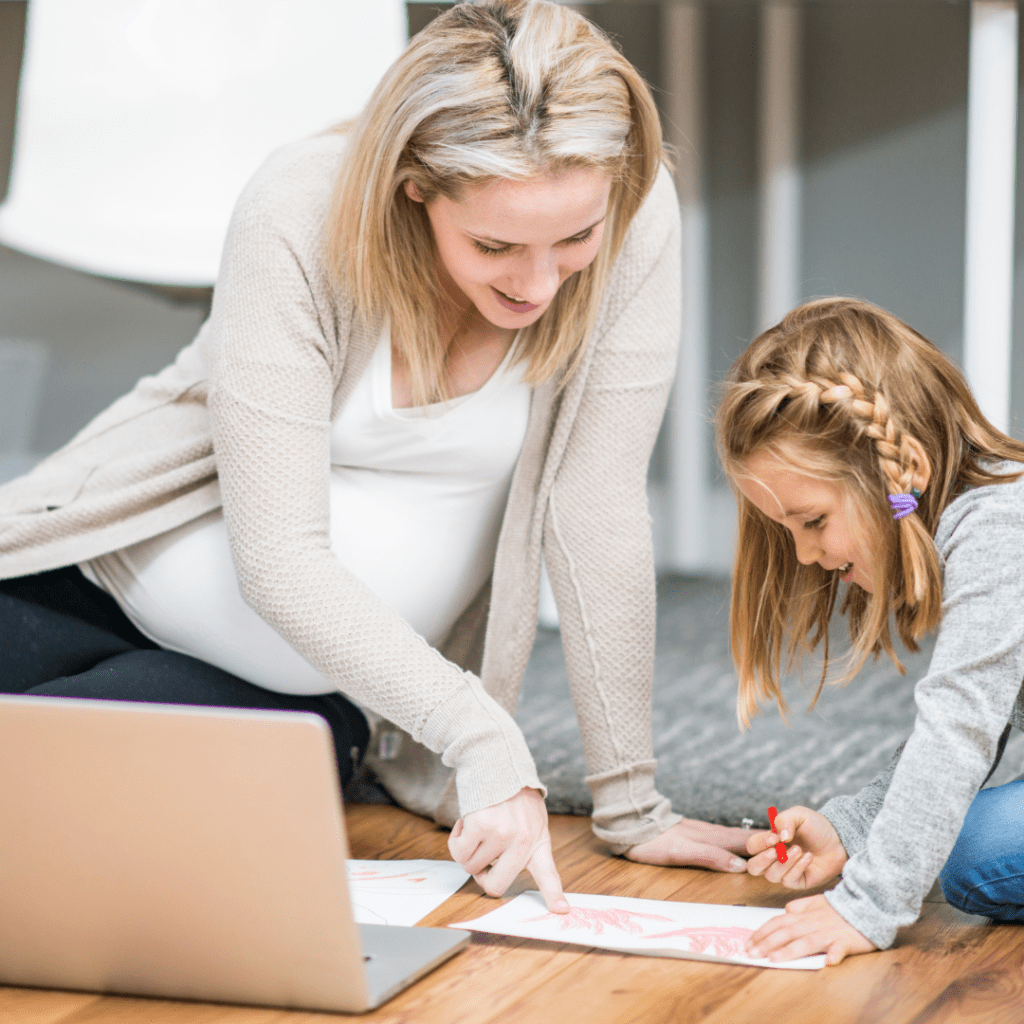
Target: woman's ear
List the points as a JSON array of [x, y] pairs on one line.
[[919, 464], [413, 192]]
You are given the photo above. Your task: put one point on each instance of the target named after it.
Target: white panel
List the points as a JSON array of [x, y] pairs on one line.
[[688, 407], [779, 152], [991, 169], [139, 121]]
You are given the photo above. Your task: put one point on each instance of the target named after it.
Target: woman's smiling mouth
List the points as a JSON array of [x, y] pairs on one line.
[[515, 305]]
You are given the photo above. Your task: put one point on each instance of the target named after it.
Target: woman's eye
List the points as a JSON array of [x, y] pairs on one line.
[[490, 250], [814, 524], [580, 239]]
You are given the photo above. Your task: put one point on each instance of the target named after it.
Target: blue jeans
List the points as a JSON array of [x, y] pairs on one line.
[[985, 872]]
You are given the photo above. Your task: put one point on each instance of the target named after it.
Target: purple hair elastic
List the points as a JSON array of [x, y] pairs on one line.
[[904, 504]]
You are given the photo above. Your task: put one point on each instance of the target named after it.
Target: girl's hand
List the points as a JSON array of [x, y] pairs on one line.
[[495, 843], [816, 855], [695, 843], [810, 925]]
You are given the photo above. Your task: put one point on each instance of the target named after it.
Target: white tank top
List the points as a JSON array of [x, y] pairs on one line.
[[417, 498]]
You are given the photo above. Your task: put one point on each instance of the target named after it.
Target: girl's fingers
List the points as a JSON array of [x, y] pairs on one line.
[[793, 950], [835, 954], [764, 862], [796, 876], [776, 870], [771, 935], [798, 906]]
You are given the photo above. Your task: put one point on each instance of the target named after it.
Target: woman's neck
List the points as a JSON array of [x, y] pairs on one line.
[[474, 349]]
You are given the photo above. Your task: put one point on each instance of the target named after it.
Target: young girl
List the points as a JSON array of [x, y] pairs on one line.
[[868, 476], [440, 343]]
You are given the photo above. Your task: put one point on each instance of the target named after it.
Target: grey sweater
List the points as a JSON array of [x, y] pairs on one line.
[[900, 828]]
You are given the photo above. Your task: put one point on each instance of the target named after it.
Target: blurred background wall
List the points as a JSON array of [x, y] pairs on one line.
[[882, 99]]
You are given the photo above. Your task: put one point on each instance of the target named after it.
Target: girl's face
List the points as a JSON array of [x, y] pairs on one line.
[[815, 513], [505, 247]]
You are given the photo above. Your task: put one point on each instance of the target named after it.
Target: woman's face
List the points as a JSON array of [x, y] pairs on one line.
[[505, 247], [815, 513]]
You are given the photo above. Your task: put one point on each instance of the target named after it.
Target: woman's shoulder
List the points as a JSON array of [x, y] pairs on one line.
[[651, 250], [294, 183], [657, 222]]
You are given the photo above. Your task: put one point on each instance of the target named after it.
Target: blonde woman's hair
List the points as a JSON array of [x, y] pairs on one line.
[[840, 390], [490, 89]]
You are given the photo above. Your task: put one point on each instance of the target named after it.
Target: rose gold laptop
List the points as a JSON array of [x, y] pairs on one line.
[[186, 853]]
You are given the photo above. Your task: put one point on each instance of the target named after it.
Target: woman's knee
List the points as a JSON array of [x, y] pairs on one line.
[[167, 677]]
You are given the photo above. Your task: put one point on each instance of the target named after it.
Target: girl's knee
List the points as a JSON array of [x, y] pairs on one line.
[[985, 871]]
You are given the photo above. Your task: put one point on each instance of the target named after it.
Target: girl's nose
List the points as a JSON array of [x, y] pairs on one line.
[[807, 550]]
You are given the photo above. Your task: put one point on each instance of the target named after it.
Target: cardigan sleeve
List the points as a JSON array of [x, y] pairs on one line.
[[597, 537], [279, 334]]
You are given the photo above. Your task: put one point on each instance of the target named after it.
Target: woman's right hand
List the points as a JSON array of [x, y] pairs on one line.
[[495, 843], [817, 853]]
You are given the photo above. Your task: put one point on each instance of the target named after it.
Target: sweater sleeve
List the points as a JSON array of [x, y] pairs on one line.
[[279, 335], [597, 536], [852, 816], [963, 704]]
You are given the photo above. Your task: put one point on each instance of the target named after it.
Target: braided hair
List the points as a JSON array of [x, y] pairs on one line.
[[847, 393]]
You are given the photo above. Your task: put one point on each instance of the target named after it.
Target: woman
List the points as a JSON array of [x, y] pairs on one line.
[[439, 343]]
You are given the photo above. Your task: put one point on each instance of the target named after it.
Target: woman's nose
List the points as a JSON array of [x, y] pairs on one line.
[[536, 278]]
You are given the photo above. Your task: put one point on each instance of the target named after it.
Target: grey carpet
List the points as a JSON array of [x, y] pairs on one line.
[[708, 768]]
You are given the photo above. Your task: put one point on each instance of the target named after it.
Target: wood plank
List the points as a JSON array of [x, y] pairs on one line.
[[40, 1006]]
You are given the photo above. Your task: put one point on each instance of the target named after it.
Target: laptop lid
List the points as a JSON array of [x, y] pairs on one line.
[[181, 852]]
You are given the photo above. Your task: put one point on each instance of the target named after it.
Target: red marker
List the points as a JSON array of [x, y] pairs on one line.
[[780, 848]]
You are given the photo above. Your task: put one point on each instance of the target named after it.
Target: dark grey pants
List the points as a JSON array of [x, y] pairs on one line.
[[62, 636]]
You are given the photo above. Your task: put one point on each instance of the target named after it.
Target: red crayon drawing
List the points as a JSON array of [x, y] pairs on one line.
[[367, 875], [595, 921], [714, 941]]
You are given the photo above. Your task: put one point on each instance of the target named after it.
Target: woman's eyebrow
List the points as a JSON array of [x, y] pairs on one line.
[[498, 241]]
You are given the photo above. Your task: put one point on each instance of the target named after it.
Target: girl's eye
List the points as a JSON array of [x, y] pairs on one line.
[[815, 524], [489, 251]]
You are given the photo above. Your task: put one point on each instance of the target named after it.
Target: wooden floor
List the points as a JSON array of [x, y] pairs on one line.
[[948, 968]]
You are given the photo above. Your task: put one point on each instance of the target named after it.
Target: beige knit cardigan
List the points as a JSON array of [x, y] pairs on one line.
[[242, 420]]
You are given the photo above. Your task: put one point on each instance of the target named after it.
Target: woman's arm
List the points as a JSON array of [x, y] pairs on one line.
[[280, 336], [597, 540]]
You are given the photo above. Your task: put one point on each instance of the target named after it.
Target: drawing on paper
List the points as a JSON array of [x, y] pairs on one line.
[[400, 892], [645, 926], [713, 941], [404, 883], [595, 921]]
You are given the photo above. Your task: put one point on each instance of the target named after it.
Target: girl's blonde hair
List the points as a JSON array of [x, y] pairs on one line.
[[496, 88], [840, 390]]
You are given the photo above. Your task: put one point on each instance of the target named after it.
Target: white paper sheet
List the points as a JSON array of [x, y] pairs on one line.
[[689, 931], [400, 891]]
